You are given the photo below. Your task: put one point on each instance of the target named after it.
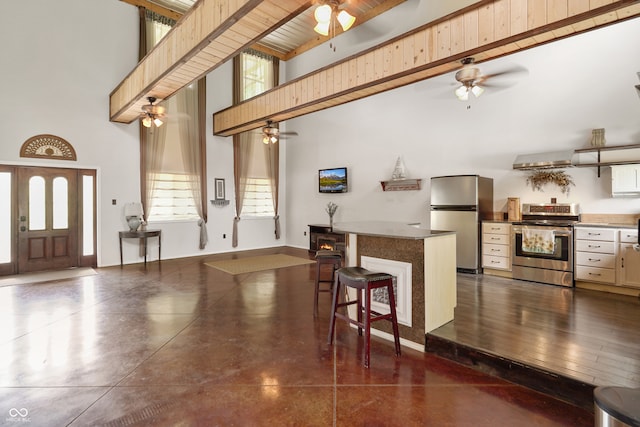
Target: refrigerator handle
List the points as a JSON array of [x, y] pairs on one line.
[[472, 208]]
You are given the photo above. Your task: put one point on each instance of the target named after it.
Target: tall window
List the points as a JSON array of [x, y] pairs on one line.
[[255, 164], [169, 179], [257, 74], [173, 172]]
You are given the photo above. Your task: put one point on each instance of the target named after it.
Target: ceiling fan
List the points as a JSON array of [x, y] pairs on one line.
[[271, 133], [152, 113], [473, 81]]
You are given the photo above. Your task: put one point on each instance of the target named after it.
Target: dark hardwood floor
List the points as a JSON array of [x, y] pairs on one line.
[[563, 341], [181, 343]]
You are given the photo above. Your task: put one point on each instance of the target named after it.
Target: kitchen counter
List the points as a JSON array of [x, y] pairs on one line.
[[388, 229], [423, 262], [606, 225]]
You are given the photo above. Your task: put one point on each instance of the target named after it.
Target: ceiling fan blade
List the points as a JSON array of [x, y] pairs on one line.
[[508, 71]]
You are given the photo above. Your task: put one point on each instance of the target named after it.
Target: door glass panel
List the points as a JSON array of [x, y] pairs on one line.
[[87, 215], [60, 203], [37, 203], [5, 218]]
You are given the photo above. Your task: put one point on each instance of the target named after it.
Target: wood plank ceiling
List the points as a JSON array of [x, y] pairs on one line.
[[213, 31], [486, 31], [295, 36], [281, 28]]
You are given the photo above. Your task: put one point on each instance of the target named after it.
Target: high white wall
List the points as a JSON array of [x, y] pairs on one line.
[[60, 62], [569, 87], [62, 59]]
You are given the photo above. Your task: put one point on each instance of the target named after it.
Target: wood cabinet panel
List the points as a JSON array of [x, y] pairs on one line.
[[629, 266], [496, 245], [596, 260], [496, 250], [593, 274], [595, 246], [499, 263], [585, 233]]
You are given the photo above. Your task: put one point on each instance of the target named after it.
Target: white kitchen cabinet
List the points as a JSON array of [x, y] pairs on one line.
[[625, 181], [496, 245], [595, 254], [628, 259]]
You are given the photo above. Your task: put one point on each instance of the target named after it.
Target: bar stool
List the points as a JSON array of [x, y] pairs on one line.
[[325, 257], [365, 281]]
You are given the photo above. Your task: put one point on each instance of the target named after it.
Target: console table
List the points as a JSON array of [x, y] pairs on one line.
[[144, 235]]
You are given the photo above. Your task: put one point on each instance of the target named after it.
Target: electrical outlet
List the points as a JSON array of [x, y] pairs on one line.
[[224, 236], [113, 201], [305, 233]]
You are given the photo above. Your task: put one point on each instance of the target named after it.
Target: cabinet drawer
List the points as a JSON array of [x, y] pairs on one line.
[[594, 274], [595, 234], [497, 262], [596, 260], [629, 236], [495, 250], [499, 239], [496, 228], [595, 246]]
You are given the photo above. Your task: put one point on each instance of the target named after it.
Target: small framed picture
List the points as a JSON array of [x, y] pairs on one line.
[[219, 188]]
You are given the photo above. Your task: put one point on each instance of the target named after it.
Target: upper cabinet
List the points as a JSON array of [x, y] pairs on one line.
[[625, 181]]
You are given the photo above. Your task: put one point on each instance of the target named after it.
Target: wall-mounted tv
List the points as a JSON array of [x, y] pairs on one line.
[[333, 180]]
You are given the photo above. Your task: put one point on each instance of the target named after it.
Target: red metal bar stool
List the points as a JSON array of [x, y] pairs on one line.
[[325, 257], [365, 281]]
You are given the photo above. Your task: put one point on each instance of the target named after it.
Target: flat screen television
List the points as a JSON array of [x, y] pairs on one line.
[[333, 180]]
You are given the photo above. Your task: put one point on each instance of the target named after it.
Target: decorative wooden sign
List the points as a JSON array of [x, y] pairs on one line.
[[48, 147]]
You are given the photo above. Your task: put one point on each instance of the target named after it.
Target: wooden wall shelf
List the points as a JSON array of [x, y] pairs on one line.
[[609, 156], [401, 184]]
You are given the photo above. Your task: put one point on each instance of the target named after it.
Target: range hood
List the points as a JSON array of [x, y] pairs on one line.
[[547, 160]]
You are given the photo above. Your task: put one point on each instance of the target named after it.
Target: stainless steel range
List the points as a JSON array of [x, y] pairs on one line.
[[542, 243]]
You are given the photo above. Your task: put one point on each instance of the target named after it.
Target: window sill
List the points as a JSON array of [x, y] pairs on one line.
[[172, 221], [251, 217]]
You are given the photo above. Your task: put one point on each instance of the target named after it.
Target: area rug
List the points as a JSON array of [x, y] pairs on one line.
[[257, 263], [46, 276]]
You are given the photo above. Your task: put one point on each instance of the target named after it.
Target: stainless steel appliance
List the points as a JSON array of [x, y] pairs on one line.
[[459, 203], [542, 243]]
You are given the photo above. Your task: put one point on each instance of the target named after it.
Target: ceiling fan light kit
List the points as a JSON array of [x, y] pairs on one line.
[[469, 78], [269, 139], [326, 16], [271, 134], [346, 20], [151, 113], [472, 80], [322, 28]]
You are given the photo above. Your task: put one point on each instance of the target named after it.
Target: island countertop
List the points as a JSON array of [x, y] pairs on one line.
[[399, 230]]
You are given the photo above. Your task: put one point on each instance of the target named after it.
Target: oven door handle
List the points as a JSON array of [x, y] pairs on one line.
[[567, 233]]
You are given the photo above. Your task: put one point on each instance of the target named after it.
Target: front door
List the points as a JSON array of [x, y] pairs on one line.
[[47, 218]]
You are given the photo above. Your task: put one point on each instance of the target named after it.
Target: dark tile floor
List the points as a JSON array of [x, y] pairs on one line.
[[180, 343]]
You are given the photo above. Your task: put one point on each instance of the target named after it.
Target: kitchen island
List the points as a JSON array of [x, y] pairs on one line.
[[423, 263]]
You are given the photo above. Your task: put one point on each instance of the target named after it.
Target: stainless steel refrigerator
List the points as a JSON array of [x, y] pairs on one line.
[[459, 203]]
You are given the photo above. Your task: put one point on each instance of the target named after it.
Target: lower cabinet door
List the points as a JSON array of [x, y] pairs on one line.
[[629, 267]]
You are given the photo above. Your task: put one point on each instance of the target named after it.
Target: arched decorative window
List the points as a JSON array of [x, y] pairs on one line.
[[48, 147]]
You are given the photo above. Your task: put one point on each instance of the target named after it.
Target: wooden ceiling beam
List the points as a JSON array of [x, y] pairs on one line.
[[209, 34], [155, 8], [318, 40], [485, 31]]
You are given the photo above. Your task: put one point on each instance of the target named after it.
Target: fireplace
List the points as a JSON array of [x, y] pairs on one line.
[[326, 243], [322, 237]]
